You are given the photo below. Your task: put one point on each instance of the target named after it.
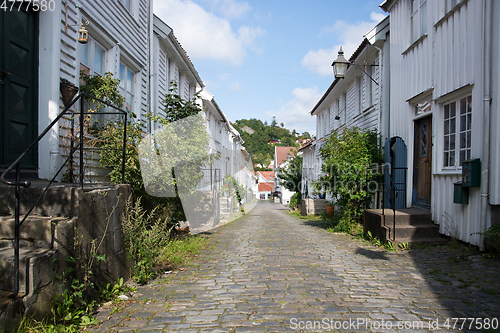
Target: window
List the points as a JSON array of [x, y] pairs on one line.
[[418, 19], [343, 109], [369, 87], [126, 77], [92, 58], [445, 6], [359, 94], [457, 127]]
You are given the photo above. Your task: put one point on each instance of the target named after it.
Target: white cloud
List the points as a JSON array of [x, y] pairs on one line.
[[205, 35], [295, 113], [349, 35], [230, 9]]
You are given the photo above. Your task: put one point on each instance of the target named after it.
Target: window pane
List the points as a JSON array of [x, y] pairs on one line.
[[122, 75], [446, 158], [452, 142], [446, 143], [469, 140], [446, 127], [469, 119], [453, 109], [446, 111], [423, 18], [129, 80], [98, 59], [462, 140], [452, 158], [463, 123], [463, 106], [452, 125], [85, 54], [462, 156]]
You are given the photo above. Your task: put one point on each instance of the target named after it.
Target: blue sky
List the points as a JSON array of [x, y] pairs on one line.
[[265, 58]]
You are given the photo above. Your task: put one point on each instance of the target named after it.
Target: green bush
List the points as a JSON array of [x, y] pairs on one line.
[[295, 201], [347, 158], [492, 239], [145, 236]]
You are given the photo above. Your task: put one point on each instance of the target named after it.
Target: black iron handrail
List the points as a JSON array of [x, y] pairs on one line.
[[392, 189], [80, 146]]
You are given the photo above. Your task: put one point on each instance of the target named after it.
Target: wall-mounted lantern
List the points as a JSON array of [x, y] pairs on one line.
[[341, 65]]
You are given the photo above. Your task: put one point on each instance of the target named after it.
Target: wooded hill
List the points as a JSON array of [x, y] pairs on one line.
[[260, 138]]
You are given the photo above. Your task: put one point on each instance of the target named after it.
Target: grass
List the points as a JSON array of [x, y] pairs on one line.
[[180, 250]]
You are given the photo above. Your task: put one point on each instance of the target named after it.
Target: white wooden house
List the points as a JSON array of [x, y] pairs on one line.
[[359, 100], [170, 64], [41, 48], [444, 106]]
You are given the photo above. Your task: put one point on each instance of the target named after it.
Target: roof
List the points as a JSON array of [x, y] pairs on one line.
[[387, 4], [356, 54], [266, 187], [307, 145], [268, 175], [281, 153]]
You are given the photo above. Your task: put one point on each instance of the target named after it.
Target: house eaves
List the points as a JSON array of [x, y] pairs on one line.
[[354, 56], [166, 33], [387, 5], [209, 98]]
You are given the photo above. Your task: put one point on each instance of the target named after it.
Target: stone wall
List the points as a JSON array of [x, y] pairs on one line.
[[313, 206]]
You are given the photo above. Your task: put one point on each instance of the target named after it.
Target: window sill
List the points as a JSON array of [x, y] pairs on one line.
[[449, 172], [415, 43]]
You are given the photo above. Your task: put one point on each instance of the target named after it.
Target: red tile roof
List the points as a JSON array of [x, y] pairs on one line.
[[266, 187], [268, 175], [281, 153]]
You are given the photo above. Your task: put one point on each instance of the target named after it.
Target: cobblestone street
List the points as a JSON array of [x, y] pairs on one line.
[[272, 272]]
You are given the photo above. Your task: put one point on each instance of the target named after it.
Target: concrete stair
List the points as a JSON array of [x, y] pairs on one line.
[[412, 225]]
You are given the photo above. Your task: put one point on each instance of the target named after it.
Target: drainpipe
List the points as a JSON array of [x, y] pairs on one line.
[[485, 177]]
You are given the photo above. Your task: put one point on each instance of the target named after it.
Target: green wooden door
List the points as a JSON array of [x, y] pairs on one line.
[[18, 86]]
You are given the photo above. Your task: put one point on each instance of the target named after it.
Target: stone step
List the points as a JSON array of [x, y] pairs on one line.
[[59, 200], [28, 257], [36, 231], [412, 231], [408, 216]]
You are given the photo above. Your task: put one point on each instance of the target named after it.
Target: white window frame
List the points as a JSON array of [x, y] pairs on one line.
[[359, 94], [127, 85], [457, 132], [90, 48], [418, 19]]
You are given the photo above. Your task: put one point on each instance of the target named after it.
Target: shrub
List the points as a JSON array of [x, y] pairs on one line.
[[347, 156], [492, 239], [295, 201]]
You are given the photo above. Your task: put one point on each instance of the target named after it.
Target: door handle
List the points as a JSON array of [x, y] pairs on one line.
[[2, 74]]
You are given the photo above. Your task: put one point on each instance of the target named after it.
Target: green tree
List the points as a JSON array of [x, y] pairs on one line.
[[290, 177], [346, 158]]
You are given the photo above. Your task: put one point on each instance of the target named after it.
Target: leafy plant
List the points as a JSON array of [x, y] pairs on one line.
[[295, 201], [404, 245], [291, 176], [389, 246], [103, 87], [145, 235], [347, 157], [492, 239]]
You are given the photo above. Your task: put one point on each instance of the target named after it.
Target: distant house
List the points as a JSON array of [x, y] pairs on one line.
[[265, 190], [281, 156]]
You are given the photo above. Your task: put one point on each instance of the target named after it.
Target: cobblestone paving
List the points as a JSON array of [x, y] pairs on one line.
[[272, 272]]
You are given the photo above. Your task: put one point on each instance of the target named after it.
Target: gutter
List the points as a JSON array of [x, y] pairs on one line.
[[485, 164]]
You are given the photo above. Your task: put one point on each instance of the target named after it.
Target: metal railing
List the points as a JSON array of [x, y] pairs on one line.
[[391, 191], [82, 97]]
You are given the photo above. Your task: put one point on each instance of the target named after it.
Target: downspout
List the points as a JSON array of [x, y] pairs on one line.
[[149, 95], [485, 176]]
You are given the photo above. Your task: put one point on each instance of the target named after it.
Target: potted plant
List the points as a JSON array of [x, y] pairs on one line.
[[330, 208]]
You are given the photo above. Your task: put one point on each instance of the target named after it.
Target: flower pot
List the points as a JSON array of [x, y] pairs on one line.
[[330, 210], [68, 91]]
